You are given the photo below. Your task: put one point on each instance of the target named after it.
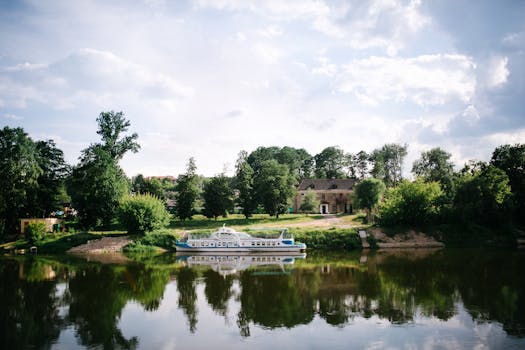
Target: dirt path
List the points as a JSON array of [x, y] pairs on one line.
[[103, 245]]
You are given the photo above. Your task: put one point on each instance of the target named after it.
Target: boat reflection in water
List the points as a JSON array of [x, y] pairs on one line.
[[227, 263]]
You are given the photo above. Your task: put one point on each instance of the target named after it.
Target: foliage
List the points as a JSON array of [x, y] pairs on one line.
[[411, 203], [142, 213], [328, 239], [367, 194], [152, 186], [97, 183], [274, 187], [159, 238], [310, 202], [511, 159], [96, 186], [35, 231], [298, 161], [330, 163], [110, 127], [483, 195], [434, 165], [187, 192], [387, 163], [243, 183], [19, 172], [49, 194], [361, 164], [218, 197]]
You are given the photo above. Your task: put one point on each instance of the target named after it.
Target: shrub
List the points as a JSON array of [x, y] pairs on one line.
[[142, 213], [35, 231], [155, 239]]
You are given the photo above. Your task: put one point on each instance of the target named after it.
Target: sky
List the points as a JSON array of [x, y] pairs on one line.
[[209, 78]]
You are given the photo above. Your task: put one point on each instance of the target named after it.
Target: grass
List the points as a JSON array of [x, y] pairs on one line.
[[59, 243]]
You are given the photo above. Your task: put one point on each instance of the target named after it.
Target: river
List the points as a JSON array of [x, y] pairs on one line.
[[417, 299]]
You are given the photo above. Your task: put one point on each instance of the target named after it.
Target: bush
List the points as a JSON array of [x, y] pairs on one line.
[[151, 241], [142, 213], [35, 231], [411, 203], [328, 239]]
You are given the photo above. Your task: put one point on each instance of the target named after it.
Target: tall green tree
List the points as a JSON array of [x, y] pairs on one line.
[[97, 183], [330, 163], [434, 166], [483, 195], [243, 183], [388, 163], [274, 187], [19, 172], [50, 192], [96, 186], [298, 160], [218, 197], [511, 159], [187, 192], [111, 127], [367, 194], [361, 164]]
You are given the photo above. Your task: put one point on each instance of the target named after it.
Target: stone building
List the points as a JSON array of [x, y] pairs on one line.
[[334, 195]]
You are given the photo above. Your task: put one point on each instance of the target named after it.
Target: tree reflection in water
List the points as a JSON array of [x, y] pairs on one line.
[[339, 289]]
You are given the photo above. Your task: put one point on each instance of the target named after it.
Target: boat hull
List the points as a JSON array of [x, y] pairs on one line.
[[282, 249]]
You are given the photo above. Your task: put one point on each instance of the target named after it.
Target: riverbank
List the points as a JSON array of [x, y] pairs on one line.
[[317, 232]]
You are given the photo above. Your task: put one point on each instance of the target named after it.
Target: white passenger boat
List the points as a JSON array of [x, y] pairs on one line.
[[229, 240]]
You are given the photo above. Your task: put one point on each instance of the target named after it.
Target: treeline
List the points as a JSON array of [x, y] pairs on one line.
[[35, 181], [485, 193]]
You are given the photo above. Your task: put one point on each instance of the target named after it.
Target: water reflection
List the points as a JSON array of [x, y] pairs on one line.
[[45, 298]]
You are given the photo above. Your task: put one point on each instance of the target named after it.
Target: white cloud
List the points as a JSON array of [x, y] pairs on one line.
[[423, 80], [270, 31], [386, 24], [497, 72], [86, 76], [325, 68], [267, 53]]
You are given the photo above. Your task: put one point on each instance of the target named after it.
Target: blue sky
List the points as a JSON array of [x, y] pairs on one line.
[[208, 78]]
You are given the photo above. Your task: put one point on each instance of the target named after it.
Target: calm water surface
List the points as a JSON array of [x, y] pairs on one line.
[[446, 299]]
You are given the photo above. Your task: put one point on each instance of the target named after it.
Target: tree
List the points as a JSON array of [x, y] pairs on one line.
[[511, 159], [483, 195], [243, 183], [110, 127], [361, 164], [330, 163], [97, 183], [310, 202], [187, 192], [96, 186], [388, 162], [142, 213], [49, 194], [152, 186], [19, 172], [274, 187], [298, 161], [434, 166], [218, 197], [367, 194], [410, 203]]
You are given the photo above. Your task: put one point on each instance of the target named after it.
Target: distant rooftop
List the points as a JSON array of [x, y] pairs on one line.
[[327, 184]]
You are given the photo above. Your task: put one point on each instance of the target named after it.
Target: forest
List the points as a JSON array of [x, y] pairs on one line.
[[35, 181]]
